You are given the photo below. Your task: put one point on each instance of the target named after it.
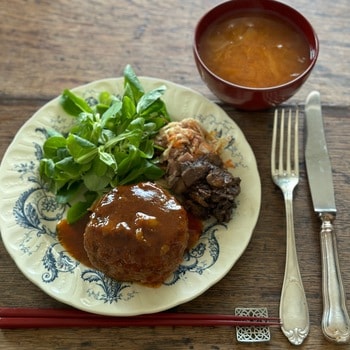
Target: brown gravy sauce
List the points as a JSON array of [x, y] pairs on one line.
[[71, 236]]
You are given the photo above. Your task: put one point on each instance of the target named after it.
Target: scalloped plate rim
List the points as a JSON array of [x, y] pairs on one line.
[[215, 276]]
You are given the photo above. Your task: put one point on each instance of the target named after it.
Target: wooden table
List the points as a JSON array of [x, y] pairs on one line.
[[47, 46]]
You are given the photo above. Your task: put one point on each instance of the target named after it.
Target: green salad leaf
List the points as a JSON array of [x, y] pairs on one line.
[[111, 143]]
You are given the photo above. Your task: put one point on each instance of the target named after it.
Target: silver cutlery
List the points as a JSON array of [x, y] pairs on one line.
[[294, 313], [335, 319]]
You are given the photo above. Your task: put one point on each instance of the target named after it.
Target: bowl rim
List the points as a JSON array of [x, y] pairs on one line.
[[260, 4]]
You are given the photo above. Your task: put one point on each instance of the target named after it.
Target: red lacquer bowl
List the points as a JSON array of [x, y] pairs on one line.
[[251, 98]]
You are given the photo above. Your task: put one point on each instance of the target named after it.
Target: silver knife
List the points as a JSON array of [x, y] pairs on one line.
[[335, 318]]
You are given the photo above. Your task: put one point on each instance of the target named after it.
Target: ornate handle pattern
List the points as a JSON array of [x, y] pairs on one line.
[[294, 312], [335, 319]]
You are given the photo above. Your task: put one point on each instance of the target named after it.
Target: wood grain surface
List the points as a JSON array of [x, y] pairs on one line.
[[47, 46]]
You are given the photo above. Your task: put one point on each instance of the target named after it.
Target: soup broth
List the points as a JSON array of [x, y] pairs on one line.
[[254, 50]]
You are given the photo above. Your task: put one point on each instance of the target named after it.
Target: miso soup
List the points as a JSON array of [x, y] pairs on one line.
[[254, 50]]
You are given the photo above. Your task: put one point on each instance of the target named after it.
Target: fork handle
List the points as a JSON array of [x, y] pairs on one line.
[[335, 319], [294, 311]]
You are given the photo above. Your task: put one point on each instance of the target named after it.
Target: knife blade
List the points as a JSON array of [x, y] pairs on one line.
[[335, 318]]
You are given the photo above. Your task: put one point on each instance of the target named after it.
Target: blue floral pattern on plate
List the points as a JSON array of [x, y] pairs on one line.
[[32, 214]]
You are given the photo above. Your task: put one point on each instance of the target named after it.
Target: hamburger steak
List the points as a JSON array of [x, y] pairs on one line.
[[137, 233]]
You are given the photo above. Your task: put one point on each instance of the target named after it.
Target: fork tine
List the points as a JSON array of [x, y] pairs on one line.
[[273, 147], [289, 138], [280, 162], [293, 136], [296, 142]]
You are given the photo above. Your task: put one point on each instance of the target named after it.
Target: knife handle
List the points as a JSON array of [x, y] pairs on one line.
[[335, 319]]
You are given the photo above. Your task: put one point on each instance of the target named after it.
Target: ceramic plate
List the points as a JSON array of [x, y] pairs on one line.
[[28, 214]]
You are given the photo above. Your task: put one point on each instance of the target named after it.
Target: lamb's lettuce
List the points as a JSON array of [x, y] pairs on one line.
[[110, 144]]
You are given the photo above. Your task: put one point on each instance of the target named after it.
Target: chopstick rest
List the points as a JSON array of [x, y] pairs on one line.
[[258, 333]]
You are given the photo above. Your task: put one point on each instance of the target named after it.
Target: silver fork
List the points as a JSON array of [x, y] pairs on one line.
[[293, 311]]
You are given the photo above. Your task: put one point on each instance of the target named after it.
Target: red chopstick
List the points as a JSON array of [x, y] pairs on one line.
[[57, 318]]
